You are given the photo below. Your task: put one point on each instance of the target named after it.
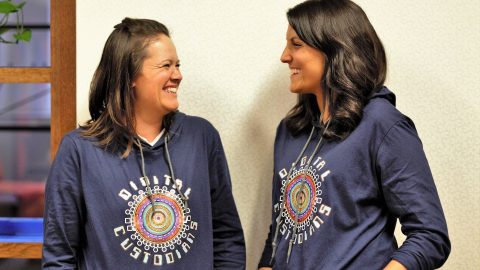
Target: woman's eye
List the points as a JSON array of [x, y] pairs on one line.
[[297, 44], [166, 66], [177, 65]]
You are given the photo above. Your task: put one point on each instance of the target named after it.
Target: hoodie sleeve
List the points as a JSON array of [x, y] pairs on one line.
[[228, 240], [63, 209], [410, 194]]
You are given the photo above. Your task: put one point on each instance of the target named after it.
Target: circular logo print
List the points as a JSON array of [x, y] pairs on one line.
[[302, 196], [160, 223], [300, 199], [162, 226]]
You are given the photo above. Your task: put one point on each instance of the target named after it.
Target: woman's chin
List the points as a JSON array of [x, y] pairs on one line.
[[172, 109], [171, 106], [295, 90]]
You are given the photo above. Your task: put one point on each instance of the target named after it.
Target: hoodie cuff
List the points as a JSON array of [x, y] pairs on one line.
[[406, 260], [264, 264], [265, 259]]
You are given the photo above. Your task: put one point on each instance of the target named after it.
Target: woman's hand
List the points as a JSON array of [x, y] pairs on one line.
[[265, 268], [394, 265]]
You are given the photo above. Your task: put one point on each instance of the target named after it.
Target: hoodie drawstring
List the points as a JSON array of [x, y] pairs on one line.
[[282, 205], [148, 188], [170, 167]]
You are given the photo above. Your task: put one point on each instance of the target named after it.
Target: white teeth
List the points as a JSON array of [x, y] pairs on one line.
[[171, 90], [294, 71]]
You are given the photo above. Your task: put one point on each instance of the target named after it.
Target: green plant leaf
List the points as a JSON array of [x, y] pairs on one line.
[[7, 7], [20, 6], [25, 35], [3, 30]]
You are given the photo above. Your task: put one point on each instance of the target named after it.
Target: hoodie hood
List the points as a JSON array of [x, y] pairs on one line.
[[382, 93], [385, 94]]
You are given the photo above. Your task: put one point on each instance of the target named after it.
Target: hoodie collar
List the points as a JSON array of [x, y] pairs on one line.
[[174, 133], [154, 140]]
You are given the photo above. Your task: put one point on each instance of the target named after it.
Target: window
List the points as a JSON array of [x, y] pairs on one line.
[[37, 105]]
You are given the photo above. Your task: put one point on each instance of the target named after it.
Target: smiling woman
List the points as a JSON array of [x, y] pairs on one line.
[[347, 163], [306, 66], [132, 55], [156, 86], [141, 184]]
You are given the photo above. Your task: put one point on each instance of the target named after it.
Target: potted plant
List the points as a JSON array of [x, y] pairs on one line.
[[9, 9]]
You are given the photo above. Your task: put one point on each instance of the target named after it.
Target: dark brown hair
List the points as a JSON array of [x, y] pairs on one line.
[[112, 96], [355, 65]]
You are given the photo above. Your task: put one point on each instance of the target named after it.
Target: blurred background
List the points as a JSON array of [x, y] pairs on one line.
[[25, 125]]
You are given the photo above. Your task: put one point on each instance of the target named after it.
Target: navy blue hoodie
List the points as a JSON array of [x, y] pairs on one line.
[[98, 215], [355, 190]]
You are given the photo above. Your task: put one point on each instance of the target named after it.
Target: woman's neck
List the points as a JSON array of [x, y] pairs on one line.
[[148, 127], [323, 107]]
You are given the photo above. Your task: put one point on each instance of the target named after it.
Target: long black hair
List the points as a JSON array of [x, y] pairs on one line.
[[355, 65], [112, 96]]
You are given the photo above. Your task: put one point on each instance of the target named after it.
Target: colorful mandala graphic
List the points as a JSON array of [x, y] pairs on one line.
[[302, 200], [161, 223], [162, 227]]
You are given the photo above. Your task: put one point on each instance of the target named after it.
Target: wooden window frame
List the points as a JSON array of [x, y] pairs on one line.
[[62, 77]]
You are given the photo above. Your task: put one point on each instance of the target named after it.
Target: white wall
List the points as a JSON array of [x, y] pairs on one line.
[[232, 76]]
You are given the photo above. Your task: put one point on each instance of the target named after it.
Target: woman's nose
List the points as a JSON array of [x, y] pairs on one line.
[[285, 57], [177, 75]]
